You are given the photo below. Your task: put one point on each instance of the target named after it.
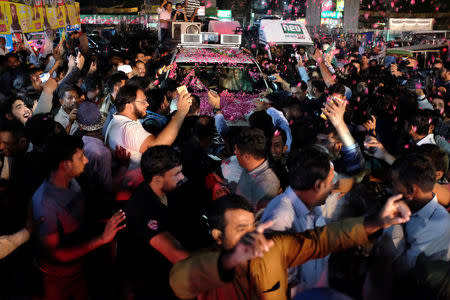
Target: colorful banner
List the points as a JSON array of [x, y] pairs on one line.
[[72, 14], [26, 16], [19, 17], [4, 28], [60, 18], [50, 17], [36, 15], [118, 19], [77, 10], [9, 41]]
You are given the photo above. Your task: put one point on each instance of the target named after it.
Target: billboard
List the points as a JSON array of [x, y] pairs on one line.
[[4, 28], [284, 32]]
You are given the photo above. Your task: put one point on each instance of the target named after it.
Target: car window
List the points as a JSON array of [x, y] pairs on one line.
[[220, 77]]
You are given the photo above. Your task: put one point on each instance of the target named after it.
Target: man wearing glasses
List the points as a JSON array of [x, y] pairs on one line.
[[126, 131]]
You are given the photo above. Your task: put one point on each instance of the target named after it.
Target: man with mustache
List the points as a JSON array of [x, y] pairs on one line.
[[148, 248]]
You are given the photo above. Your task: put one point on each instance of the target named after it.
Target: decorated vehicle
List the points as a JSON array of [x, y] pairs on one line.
[[229, 70]]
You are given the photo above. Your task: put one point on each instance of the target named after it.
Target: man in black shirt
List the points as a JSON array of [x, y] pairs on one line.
[[179, 14], [148, 248]]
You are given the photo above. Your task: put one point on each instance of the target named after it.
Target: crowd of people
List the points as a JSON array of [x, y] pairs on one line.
[[113, 186]]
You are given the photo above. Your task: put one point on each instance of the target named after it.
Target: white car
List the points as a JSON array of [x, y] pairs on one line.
[[230, 71]]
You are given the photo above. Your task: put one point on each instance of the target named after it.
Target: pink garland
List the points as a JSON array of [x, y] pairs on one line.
[[234, 106]]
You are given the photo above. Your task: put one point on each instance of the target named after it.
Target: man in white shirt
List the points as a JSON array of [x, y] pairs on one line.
[[298, 209], [419, 129], [126, 131]]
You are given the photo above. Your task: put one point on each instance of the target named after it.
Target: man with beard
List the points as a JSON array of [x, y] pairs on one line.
[[126, 131], [311, 176], [148, 248]]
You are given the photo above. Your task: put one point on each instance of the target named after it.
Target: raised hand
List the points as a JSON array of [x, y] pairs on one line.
[[72, 62], [73, 115], [394, 212], [317, 56], [184, 103], [122, 155], [334, 110], [80, 61], [93, 67], [250, 246], [113, 226], [50, 85], [371, 125], [374, 148], [214, 99]]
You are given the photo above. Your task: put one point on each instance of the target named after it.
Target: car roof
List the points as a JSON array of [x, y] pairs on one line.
[[219, 55]]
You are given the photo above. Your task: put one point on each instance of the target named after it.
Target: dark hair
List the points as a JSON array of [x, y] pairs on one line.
[[157, 160], [8, 104], [16, 128], [90, 83], [337, 89], [113, 80], [301, 84], [307, 166], [282, 133], [446, 65], [195, 105], [421, 120], [30, 97], [61, 148], [216, 212], [319, 85], [141, 82], [169, 85], [127, 94], [12, 54], [262, 120], [204, 127], [415, 169], [252, 141], [436, 154], [325, 128], [67, 87], [39, 128], [303, 133], [155, 99]]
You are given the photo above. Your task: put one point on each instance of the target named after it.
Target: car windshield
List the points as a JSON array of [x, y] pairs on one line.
[[221, 77]]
